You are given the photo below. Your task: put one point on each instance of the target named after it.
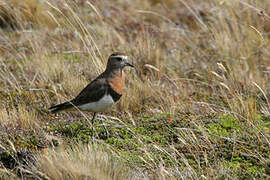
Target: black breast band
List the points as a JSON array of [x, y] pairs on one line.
[[114, 94]]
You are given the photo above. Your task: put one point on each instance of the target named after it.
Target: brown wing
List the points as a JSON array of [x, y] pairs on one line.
[[92, 92]]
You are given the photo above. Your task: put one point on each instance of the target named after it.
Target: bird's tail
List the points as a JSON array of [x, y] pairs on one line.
[[60, 107]]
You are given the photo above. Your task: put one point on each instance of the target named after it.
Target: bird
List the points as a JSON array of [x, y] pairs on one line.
[[102, 92]]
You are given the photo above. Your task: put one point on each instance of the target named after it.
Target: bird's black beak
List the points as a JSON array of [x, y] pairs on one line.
[[128, 64]]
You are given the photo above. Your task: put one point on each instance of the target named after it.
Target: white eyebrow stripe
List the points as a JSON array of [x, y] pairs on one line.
[[124, 57]]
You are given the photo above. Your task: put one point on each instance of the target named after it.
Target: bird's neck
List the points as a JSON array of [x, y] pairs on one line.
[[116, 81], [115, 72]]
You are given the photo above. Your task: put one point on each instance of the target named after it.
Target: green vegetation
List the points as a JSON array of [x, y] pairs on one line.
[[197, 106]]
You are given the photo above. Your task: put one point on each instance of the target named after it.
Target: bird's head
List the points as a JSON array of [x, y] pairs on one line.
[[118, 61]]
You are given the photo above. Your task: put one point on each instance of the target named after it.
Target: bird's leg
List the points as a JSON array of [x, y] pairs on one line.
[[92, 123], [93, 118], [107, 133]]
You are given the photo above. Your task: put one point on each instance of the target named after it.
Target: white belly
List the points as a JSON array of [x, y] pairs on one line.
[[105, 102]]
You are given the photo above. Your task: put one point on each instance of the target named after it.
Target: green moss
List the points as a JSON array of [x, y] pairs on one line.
[[265, 123], [244, 168], [225, 126]]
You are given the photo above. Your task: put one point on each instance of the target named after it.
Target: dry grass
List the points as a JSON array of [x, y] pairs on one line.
[[197, 105], [79, 162]]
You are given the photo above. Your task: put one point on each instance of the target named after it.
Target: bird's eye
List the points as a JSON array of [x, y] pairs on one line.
[[119, 59]]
